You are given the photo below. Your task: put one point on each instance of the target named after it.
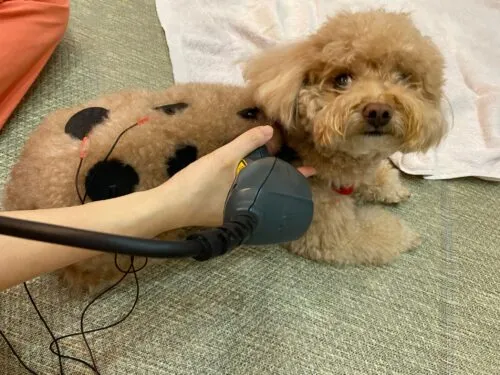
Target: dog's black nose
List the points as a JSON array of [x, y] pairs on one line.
[[377, 114]]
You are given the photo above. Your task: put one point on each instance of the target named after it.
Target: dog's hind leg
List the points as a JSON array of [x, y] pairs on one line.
[[381, 237], [343, 233]]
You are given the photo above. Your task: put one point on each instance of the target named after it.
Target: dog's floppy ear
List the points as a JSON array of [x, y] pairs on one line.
[[275, 77]]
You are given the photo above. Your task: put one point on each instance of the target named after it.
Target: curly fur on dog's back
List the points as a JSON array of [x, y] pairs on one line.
[[44, 175]]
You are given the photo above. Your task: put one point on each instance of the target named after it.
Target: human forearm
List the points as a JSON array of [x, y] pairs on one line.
[[139, 214]]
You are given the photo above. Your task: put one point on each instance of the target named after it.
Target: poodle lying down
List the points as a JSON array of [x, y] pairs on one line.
[[364, 86]]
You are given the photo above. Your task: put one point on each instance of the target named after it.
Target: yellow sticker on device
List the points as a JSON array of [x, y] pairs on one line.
[[242, 164]]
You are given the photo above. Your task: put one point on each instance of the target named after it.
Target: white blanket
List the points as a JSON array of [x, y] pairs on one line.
[[208, 39]]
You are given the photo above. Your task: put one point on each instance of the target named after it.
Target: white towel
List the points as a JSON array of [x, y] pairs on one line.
[[208, 39]]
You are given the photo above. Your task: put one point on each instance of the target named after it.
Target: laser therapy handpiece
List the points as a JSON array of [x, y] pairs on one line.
[[269, 202], [275, 193]]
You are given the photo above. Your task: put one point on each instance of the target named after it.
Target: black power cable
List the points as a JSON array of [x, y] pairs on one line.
[[97, 241]]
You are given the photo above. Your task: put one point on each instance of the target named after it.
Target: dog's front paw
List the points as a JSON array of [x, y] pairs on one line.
[[389, 194], [394, 194], [386, 186]]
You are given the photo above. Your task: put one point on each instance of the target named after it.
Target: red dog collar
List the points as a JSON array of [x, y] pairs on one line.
[[344, 190]]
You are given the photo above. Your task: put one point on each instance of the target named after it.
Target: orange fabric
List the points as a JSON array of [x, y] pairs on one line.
[[30, 30]]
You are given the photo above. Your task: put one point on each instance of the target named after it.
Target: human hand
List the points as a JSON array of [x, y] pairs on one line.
[[204, 185]]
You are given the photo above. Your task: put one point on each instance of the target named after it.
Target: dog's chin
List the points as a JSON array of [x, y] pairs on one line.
[[375, 133], [370, 144]]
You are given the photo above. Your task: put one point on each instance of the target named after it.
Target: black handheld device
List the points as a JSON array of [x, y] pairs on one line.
[[275, 193], [269, 202]]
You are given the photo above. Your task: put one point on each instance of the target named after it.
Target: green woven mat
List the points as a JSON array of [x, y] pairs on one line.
[[260, 310]]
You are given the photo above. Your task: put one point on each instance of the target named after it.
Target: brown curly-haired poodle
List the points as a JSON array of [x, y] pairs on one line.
[[363, 87]]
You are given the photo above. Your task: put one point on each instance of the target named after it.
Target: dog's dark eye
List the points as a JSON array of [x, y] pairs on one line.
[[342, 81], [249, 113]]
